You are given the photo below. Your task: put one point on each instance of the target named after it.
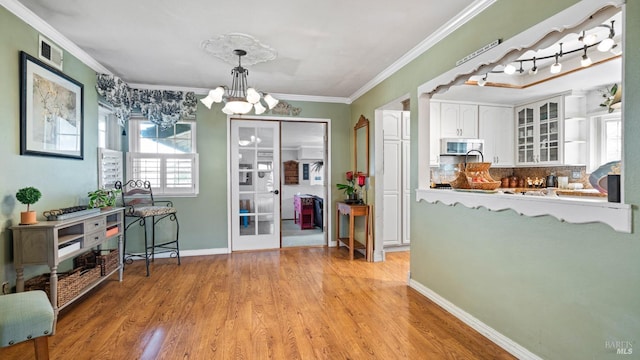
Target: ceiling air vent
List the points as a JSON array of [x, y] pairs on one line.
[[50, 53]]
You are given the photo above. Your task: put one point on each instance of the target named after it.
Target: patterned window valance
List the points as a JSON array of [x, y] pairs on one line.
[[162, 107]]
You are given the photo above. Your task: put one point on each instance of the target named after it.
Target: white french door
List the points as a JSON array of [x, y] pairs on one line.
[[255, 184]]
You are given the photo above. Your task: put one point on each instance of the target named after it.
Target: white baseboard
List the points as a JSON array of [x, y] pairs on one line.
[[378, 255], [397, 248], [504, 342], [187, 253]]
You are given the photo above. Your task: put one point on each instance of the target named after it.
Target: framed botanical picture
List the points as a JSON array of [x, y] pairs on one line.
[[51, 111]]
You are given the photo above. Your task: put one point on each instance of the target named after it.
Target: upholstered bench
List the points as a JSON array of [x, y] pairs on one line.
[[26, 316]]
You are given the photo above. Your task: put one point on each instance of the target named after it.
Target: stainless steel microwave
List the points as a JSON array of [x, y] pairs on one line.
[[453, 146]]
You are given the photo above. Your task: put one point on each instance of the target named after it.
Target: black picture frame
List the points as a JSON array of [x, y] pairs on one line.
[[305, 171], [51, 111]]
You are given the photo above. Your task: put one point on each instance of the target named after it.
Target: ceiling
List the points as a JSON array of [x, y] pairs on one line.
[[327, 48]]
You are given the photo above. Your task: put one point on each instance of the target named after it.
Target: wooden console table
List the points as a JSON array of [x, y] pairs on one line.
[[354, 210], [51, 242]]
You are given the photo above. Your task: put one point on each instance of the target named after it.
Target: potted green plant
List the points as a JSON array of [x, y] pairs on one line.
[[103, 198], [612, 98], [349, 188], [28, 196]]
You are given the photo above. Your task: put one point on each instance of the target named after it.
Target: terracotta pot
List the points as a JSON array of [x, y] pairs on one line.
[[28, 217]]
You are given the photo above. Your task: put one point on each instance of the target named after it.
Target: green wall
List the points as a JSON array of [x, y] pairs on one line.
[[560, 290], [63, 182], [203, 220]]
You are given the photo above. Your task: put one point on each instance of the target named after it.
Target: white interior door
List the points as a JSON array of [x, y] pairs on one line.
[[392, 179], [255, 184], [395, 179]]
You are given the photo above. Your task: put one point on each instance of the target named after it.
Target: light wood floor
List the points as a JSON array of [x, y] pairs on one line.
[[302, 303]]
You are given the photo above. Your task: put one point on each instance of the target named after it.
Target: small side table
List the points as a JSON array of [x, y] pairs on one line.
[[303, 211], [354, 210]]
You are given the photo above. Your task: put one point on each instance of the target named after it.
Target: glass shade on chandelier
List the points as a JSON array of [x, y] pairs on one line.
[[239, 99]]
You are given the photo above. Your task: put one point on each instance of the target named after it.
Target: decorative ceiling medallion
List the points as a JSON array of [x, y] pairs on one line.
[[223, 46]]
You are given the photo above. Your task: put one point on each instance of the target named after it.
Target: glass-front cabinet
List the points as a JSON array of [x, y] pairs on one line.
[[538, 132]]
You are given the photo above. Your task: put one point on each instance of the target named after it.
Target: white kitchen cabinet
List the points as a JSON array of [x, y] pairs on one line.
[[396, 181], [539, 133], [434, 130], [496, 127], [458, 121]]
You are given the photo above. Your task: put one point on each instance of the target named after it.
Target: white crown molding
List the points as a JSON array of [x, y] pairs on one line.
[[312, 98], [487, 331], [52, 34], [204, 91], [467, 14], [198, 91]]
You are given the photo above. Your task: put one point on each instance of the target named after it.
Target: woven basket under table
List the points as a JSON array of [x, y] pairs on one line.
[[70, 284]]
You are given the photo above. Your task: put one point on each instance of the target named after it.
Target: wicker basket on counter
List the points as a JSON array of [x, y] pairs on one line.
[[475, 176]]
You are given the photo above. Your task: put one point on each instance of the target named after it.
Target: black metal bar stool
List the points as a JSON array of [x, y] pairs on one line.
[[137, 198]]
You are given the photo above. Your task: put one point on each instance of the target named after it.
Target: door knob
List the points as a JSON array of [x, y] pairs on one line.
[[276, 192]]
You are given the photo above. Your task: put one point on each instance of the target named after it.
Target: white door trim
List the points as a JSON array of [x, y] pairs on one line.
[[329, 200]]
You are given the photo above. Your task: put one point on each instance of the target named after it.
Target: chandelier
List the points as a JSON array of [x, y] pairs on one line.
[[239, 99]]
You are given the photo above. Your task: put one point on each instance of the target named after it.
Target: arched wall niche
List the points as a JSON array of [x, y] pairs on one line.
[[583, 15]]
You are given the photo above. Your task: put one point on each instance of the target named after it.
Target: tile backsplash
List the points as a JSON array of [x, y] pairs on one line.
[[542, 172]]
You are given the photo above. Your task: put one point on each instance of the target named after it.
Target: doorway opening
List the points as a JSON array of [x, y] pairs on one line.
[[392, 188], [304, 184]]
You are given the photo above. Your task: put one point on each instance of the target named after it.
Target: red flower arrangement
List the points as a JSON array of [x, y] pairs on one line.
[[350, 187]]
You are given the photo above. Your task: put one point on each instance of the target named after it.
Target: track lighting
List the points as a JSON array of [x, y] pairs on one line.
[[588, 39], [586, 60], [534, 69], [509, 69], [606, 44], [483, 81], [557, 67], [616, 50]]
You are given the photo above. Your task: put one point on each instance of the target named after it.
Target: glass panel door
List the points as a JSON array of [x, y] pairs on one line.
[[549, 132], [525, 135], [255, 201]]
